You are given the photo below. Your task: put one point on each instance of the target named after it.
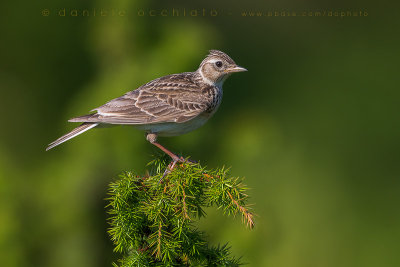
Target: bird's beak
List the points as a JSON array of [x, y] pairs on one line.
[[235, 69]]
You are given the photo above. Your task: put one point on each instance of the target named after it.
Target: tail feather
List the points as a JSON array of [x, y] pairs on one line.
[[78, 130], [85, 118]]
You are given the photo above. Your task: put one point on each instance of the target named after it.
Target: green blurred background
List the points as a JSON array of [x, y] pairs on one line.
[[313, 125]]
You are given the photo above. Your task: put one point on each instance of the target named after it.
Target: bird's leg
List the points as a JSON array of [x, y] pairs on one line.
[[152, 138], [169, 153]]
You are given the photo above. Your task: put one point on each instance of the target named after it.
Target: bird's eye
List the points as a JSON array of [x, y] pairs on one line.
[[218, 64]]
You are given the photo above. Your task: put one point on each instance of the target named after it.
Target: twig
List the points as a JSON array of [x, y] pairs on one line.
[[184, 204], [247, 216]]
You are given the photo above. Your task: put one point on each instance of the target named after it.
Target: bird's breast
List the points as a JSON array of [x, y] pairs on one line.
[[214, 95]]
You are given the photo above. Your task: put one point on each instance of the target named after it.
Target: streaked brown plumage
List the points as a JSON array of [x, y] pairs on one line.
[[167, 106]]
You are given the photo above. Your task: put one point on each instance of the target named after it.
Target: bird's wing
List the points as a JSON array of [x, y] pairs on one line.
[[173, 98]]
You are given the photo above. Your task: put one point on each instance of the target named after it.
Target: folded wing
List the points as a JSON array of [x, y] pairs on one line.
[[172, 100]]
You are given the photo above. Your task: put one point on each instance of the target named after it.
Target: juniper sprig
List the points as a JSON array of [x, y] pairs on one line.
[[153, 222]]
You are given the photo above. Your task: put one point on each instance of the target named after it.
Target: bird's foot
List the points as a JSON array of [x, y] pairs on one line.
[[173, 163], [170, 167]]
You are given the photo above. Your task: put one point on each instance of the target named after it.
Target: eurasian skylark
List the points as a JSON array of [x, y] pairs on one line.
[[168, 106]]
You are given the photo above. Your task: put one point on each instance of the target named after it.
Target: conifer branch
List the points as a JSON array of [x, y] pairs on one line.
[[247, 216], [152, 222]]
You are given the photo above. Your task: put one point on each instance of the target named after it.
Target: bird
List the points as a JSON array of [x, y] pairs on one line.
[[171, 105]]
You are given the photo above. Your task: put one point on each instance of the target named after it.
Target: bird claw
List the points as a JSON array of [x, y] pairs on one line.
[[172, 165], [191, 161]]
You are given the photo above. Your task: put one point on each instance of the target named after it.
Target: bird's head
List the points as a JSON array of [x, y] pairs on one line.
[[216, 67]]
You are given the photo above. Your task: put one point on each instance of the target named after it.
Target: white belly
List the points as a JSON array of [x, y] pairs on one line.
[[173, 128]]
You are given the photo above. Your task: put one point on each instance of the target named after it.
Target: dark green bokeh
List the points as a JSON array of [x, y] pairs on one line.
[[313, 125]]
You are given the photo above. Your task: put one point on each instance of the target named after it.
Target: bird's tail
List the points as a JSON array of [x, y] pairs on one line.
[[78, 130]]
